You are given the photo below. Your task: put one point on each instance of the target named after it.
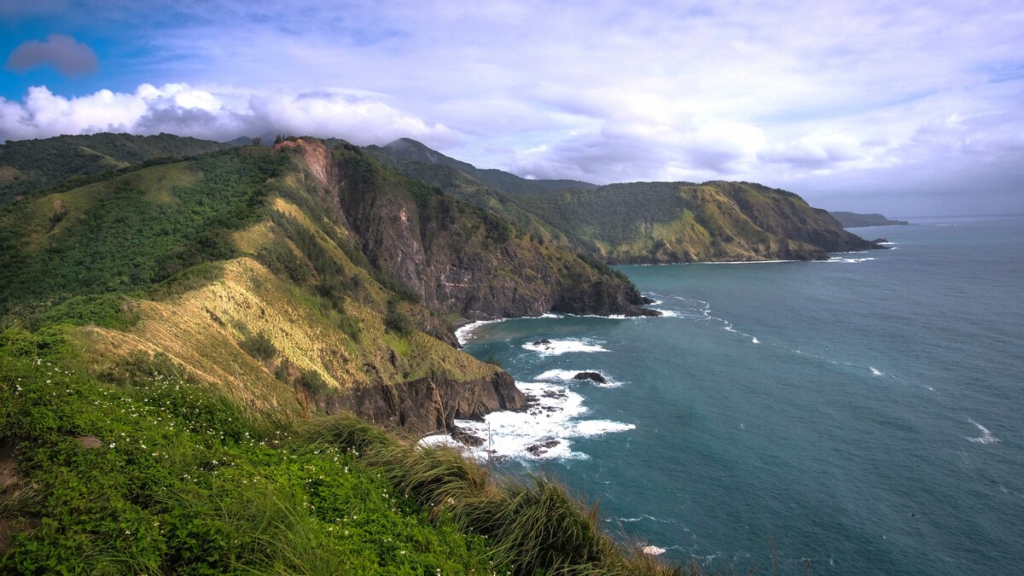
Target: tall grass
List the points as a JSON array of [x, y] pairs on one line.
[[533, 524]]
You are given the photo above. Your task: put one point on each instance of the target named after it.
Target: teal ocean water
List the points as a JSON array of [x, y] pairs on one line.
[[867, 413]]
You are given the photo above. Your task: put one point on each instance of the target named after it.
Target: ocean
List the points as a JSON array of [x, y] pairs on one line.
[[865, 414]]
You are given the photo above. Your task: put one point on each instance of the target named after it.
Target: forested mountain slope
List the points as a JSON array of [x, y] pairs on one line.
[[29, 165], [409, 150]]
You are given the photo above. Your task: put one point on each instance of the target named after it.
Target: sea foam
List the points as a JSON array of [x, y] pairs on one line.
[[986, 436], [568, 376], [564, 346], [463, 333], [544, 431], [842, 260]]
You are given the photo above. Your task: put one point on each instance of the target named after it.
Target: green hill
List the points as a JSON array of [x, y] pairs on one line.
[[358, 274], [181, 342], [30, 165]]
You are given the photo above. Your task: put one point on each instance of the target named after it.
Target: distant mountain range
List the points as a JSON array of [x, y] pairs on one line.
[[855, 220]]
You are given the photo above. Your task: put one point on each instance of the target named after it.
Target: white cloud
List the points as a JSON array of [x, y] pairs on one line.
[[817, 152], [182, 109]]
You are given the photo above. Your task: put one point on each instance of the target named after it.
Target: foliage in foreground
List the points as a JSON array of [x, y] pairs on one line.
[[185, 481]]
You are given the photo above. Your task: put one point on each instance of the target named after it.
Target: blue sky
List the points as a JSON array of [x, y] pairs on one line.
[[909, 108]]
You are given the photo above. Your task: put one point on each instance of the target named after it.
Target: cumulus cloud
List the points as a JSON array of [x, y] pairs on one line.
[[182, 109], [67, 55]]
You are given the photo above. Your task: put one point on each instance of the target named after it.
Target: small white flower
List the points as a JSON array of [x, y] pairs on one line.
[[112, 444]]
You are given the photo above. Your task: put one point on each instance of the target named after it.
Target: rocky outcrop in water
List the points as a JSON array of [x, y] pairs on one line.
[[592, 376]]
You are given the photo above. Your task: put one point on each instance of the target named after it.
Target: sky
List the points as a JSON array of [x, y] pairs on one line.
[[909, 108]]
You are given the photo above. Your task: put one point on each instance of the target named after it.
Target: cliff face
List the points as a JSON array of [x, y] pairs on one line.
[[421, 406], [457, 258]]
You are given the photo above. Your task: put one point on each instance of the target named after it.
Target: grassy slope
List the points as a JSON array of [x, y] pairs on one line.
[[185, 481], [153, 315], [665, 222], [29, 165], [288, 277]]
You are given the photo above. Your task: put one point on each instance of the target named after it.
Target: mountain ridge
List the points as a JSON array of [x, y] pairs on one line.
[[29, 165], [645, 222]]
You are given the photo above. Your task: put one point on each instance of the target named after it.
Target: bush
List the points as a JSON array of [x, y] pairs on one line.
[[397, 321], [259, 346], [106, 311], [313, 383]]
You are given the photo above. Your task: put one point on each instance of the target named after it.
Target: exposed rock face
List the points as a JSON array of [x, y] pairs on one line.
[[426, 405], [456, 258], [541, 448]]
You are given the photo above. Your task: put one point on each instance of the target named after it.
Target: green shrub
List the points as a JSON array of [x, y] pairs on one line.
[[106, 311], [259, 346], [313, 383], [397, 321]]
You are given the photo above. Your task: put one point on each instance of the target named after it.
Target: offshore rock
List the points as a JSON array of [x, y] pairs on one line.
[[463, 437], [592, 376]]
